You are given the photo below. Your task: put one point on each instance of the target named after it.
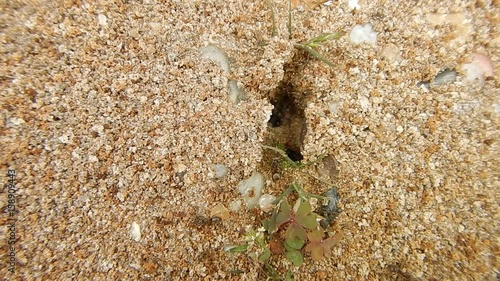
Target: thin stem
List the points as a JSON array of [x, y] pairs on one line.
[[284, 155], [304, 194], [283, 195]]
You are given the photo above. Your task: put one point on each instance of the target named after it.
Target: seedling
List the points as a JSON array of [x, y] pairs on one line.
[[309, 45], [290, 231], [316, 42]]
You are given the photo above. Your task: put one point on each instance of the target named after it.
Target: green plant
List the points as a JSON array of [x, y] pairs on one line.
[[298, 221], [316, 42], [290, 231], [309, 45], [319, 247]]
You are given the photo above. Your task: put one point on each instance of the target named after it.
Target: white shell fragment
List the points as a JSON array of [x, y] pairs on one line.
[[220, 57], [135, 232], [266, 202], [251, 189], [216, 55], [363, 33]]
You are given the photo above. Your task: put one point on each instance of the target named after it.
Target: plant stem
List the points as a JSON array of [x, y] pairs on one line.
[[283, 195], [284, 155], [304, 194]]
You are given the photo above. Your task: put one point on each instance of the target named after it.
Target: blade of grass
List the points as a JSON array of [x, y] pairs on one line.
[[317, 41], [289, 25], [314, 54], [273, 17], [284, 155]]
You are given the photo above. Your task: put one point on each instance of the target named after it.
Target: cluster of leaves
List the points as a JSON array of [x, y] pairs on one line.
[[291, 231], [290, 228]]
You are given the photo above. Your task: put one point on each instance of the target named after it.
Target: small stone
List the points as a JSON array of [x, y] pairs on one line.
[[480, 68], [251, 189], [102, 19], [266, 202], [220, 171], [235, 206], [328, 168], [220, 211], [391, 53], [363, 33]]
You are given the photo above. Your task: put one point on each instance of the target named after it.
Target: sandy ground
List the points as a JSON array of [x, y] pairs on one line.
[[111, 118]]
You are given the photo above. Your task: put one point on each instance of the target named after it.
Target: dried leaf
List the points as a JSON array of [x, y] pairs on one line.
[[315, 235], [316, 250]]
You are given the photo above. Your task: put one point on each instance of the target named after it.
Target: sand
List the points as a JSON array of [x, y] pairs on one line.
[[113, 122]]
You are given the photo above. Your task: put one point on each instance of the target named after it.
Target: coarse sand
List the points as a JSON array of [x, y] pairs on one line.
[[113, 122]]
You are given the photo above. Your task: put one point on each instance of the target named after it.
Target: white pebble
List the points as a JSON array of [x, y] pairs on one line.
[[363, 33], [353, 4], [216, 55], [266, 202], [103, 20], [251, 189], [135, 232], [480, 68]]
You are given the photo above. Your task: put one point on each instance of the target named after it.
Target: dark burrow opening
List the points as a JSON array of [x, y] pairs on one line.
[[287, 125]]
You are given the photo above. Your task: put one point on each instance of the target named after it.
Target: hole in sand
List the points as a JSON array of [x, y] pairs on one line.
[[287, 125]]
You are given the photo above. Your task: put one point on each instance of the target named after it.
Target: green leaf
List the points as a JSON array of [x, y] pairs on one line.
[[304, 209], [235, 248], [295, 243], [319, 40], [265, 224], [288, 276], [295, 257], [295, 231], [315, 235], [284, 214], [314, 54], [304, 216], [265, 255], [288, 248], [308, 222]]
